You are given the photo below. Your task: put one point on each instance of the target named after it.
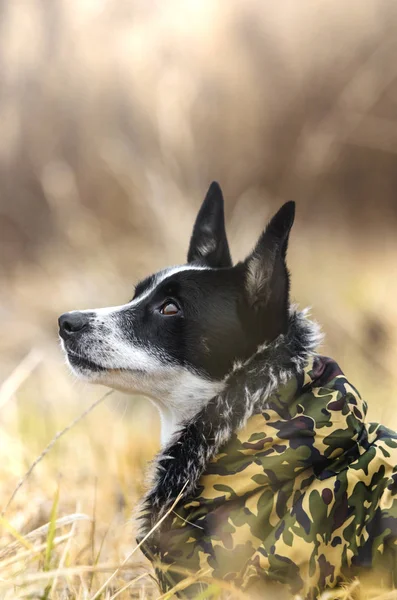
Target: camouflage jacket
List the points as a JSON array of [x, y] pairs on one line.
[[305, 494]]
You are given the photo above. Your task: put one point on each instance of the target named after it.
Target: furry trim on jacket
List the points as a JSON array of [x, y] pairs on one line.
[[179, 466]]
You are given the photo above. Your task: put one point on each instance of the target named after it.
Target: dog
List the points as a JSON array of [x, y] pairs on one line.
[[267, 461]]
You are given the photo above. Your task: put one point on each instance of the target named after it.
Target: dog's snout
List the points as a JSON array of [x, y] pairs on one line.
[[72, 323]]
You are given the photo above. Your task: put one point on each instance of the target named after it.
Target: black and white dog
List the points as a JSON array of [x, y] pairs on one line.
[[186, 326], [266, 459]]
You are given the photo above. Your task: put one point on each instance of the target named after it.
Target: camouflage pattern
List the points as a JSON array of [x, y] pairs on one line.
[[305, 494]]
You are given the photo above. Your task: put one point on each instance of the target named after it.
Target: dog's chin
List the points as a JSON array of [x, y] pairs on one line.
[[85, 368], [118, 378]]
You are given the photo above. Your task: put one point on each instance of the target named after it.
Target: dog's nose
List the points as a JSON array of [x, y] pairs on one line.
[[71, 323]]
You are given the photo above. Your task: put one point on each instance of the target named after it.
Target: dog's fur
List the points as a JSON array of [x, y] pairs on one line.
[[215, 346], [245, 392], [186, 326]]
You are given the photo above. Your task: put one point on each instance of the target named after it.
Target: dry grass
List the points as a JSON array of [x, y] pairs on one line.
[[115, 115]]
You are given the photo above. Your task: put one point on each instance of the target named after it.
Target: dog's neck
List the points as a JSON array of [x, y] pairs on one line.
[[181, 398], [246, 390], [171, 421]]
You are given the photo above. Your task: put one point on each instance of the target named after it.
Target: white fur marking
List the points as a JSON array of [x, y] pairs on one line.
[[159, 278]]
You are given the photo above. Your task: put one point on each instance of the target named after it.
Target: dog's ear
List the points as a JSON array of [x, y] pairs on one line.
[[266, 274], [208, 243]]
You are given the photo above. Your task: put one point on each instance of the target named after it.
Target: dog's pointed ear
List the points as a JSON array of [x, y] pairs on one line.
[[208, 243], [267, 278]]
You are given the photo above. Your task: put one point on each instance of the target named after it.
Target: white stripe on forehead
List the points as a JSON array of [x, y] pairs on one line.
[[158, 278], [162, 276]]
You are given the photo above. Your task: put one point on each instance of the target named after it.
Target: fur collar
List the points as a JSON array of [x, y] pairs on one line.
[[179, 466]]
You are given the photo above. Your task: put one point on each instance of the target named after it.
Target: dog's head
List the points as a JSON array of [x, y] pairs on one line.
[[186, 325]]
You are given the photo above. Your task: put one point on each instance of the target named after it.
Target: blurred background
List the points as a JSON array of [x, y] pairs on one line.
[[115, 115]]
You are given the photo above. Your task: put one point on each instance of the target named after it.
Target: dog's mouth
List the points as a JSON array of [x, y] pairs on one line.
[[81, 362]]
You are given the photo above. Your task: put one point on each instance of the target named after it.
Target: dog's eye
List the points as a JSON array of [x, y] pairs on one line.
[[169, 308]]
